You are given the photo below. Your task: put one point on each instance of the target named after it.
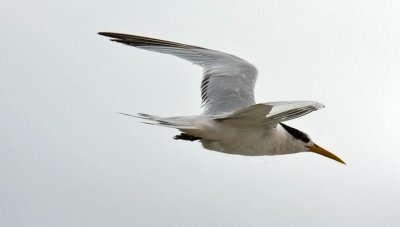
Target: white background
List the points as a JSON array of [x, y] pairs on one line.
[[67, 159]]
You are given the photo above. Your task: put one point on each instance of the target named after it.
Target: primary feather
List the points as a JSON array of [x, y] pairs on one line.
[[228, 81]]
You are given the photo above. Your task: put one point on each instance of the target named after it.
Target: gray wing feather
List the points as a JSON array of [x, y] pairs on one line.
[[228, 81], [284, 111], [269, 114]]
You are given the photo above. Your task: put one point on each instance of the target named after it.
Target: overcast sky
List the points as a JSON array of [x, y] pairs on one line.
[[67, 159]]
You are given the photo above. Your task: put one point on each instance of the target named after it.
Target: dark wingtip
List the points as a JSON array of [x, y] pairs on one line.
[[108, 34], [126, 114], [134, 40], [114, 37]]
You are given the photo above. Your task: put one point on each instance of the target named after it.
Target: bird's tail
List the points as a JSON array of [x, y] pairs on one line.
[[185, 123]]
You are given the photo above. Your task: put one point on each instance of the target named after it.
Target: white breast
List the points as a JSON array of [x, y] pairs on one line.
[[247, 141]]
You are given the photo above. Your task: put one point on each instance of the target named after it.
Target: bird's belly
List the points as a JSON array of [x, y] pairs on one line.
[[251, 142]]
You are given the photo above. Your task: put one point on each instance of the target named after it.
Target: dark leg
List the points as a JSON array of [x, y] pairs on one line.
[[184, 136]]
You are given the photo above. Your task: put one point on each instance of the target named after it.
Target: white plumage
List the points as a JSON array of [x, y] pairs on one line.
[[231, 121]]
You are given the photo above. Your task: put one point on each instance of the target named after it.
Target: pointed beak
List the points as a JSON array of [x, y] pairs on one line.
[[319, 150]]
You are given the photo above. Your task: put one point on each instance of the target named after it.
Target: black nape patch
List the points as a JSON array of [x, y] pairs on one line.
[[296, 133]]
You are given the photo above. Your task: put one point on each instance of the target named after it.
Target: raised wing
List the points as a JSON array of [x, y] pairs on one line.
[[228, 81], [284, 111]]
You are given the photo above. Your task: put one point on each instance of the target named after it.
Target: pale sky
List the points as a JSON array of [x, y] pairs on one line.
[[67, 159]]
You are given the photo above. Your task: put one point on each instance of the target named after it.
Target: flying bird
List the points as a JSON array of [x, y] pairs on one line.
[[231, 121]]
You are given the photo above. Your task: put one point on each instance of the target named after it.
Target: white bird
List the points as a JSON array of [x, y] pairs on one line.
[[231, 121]]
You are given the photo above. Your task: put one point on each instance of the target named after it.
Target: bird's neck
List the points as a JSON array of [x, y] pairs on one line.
[[287, 143]]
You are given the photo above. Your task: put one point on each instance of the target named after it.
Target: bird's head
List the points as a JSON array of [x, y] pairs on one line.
[[305, 142]]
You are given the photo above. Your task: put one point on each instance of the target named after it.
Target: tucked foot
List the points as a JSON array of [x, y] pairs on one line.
[[184, 136]]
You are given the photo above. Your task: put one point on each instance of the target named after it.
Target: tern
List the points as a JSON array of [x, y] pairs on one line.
[[231, 121]]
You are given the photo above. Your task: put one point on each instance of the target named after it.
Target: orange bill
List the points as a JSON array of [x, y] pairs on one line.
[[319, 150]]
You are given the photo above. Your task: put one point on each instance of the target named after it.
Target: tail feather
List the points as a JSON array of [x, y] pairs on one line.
[[169, 122]]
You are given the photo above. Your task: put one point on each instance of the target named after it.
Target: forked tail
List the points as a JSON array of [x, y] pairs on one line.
[[169, 122]]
